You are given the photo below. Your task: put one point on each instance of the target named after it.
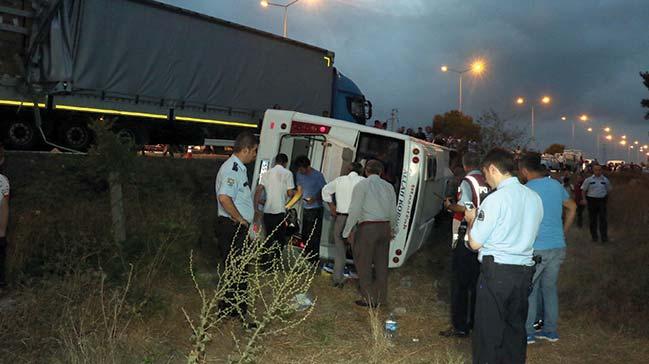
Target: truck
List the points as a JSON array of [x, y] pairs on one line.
[[159, 73]]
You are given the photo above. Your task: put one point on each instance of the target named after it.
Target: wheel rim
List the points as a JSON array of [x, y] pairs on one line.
[[76, 136], [126, 136], [20, 134]]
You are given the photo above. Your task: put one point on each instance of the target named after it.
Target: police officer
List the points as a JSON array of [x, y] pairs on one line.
[[465, 267], [235, 206], [503, 230], [595, 191]]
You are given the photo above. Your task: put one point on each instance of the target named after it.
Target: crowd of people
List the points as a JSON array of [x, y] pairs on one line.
[[510, 220]]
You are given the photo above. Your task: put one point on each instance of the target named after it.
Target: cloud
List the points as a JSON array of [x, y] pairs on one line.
[[585, 54]]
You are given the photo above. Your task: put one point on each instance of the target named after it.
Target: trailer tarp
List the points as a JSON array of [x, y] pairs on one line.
[[143, 48]]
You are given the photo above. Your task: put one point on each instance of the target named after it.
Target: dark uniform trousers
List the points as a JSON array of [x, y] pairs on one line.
[[3, 258], [371, 247], [499, 335], [465, 270], [597, 216], [312, 227], [275, 235], [231, 235]]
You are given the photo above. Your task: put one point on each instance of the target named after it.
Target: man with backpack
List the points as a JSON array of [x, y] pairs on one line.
[[465, 267]]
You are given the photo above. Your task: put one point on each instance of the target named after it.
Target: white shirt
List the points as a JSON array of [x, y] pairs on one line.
[[277, 182], [4, 186], [373, 199], [342, 187]]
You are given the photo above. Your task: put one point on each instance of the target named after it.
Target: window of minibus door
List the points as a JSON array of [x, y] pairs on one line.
[[296, 145], [387, 150]]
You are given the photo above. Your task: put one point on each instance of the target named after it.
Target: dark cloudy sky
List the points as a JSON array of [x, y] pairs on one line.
[[585, 54]]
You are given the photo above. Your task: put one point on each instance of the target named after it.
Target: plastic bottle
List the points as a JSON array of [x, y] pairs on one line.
[[391, 326]]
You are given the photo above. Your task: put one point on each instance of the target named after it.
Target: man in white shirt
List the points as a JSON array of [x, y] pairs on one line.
[[342, 188], [373, 219], [279, 185]]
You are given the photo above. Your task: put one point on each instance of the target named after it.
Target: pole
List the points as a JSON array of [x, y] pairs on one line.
[[285, 19], [533, 140], [460, 108], [573, 134], [597, 136]]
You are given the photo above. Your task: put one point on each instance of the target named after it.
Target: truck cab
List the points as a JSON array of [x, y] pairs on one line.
[[348, 102]]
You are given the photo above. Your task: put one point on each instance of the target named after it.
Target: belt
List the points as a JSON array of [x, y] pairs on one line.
[[372, 222], [228, 219]]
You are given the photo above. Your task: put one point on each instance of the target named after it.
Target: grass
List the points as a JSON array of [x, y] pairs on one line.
[[59, 257]]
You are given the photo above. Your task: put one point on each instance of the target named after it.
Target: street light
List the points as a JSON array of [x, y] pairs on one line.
[[545, 100], [266, 4], [477, 67], [582, 117]]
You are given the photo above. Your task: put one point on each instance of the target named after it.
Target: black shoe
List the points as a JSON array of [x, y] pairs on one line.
[[452, 332], [538, 325]]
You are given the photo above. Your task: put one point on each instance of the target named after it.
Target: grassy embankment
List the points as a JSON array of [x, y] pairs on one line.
[[61, 251]]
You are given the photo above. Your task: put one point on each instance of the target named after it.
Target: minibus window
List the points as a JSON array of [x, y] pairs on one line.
[[431, 167], [385, 149]]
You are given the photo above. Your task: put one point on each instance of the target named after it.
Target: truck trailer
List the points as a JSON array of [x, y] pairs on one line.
[[160, 73]]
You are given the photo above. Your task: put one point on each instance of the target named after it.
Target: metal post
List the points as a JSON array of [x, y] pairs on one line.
[[533, 140], [573, 134], [460, 109], [285, 19]]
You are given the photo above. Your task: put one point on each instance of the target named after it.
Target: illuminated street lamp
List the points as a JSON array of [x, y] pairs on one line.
[[266, 4], [477, 68], [582, 117], [545, 100], [607, 129]]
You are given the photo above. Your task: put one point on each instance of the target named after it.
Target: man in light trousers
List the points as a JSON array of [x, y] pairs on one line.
[[341, 188]]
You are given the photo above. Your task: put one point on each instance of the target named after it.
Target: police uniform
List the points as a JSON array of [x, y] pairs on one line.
[[232, 181], [465, 267], [597, 189], [506, 225]]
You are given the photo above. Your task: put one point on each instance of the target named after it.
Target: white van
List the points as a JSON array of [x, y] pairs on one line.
[[418, 170]]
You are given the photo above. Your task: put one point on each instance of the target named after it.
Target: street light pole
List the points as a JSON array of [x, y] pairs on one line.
[[285, 6], [477, 67], [533, 123]]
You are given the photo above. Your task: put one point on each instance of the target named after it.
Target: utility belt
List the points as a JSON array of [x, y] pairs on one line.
[[226, 220], [489, 265]]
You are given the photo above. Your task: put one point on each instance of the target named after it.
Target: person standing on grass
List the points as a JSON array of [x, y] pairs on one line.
[[279, 186], [311, 181], [579, 198], [235, 209], [503, 230], [341, 188], [4, 220], [465, 267], [549, 245], [370, 226], [595, 190]]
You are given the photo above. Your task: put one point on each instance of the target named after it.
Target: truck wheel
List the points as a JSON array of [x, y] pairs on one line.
[[127, 136], [21, 134], [76, 136]]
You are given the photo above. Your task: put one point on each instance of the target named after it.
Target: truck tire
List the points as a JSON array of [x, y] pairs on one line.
[[22, 134], [76, 136], [135, 136]]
